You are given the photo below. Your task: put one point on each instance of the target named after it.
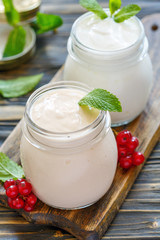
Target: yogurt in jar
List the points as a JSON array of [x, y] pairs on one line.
[[68, 153], [107, 35], [113, 56]]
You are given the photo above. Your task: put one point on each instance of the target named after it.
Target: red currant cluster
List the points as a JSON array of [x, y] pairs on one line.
[[20, 194], [127, 144]]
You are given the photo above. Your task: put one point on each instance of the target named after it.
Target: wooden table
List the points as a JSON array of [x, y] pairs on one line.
[[139, 216]]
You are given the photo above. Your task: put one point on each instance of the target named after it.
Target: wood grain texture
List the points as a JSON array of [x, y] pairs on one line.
[[92, 222]]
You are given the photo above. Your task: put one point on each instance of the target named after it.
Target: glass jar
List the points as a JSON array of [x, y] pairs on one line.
[[127, 73], [26, 8], [68, 170]]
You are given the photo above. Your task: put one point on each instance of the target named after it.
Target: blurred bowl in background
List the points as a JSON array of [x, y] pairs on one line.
[[29, 49]]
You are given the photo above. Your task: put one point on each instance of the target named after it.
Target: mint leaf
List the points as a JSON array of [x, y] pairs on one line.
[[20, 86], [46, 22], [10, 12], [93, 6], [102, 100], [114, 5], [16, 42], [9, 169], [126, 12]]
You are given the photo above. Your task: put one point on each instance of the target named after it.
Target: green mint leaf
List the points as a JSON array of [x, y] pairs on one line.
[[20, 86], [46, 22], [16, 42], [102, 100], [11, 13], [9, 169], [126, 12], [114, 5], [93, 6]]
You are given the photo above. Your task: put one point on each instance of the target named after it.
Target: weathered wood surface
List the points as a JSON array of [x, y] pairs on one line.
[[139, 215]]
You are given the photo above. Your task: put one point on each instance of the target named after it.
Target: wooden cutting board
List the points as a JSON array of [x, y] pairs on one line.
[[92, 222]]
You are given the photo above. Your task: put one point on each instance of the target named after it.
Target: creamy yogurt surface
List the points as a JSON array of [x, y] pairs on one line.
[[59, 111], [107, 35]]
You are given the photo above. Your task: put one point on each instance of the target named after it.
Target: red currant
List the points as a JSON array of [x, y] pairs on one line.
[[18, 203], [24, 188], [20, 180], [138, 158], [8, 183], [132, 145], [126, 162], [123, 138], [31, 199], [28, 208], [122, 152], [12, 191], [10, 202]]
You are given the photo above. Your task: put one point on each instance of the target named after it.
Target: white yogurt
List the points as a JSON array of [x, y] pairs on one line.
[[62, 109], [67, 169], [112, 56], [107, 35]]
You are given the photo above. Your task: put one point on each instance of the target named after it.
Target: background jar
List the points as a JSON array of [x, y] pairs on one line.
[[27, 10], [68, 170], [127, 73]]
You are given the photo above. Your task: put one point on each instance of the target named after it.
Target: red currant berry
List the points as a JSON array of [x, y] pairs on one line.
[[9, 183], [20, 180], [12, 191], [24, 188], [122, 152], [138, 158], [132, 145], [18, 203], [10, 202], [123, 138], [28, 208], [126, 162], [31, 199]]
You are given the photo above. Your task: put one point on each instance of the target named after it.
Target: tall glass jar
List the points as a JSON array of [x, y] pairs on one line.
[[127, 72], [68, 170]]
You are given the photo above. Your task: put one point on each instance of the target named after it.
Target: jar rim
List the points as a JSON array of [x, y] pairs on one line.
[[60, 84], [106, 52]]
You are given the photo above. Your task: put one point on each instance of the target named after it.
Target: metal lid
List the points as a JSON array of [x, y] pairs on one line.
[[16, 60], [26, 8]]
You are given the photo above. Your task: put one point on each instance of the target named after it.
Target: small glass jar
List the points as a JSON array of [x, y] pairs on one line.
[[68, 170], [127, 72], [27, 9]]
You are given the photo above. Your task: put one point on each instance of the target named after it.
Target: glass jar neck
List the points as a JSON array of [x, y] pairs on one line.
[[62, 142], [83, 54]]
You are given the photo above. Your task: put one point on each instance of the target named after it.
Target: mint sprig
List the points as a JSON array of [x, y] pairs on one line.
[[46, 22], [20, 86], [93, 6], [16, 42], [17, 37], [11, 13], [102, 100], [114, 5], [9, 169], [126, 12]]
